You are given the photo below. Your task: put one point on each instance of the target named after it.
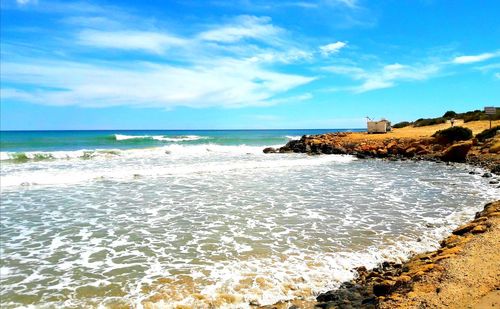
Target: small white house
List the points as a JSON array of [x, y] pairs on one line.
[[382, 126]]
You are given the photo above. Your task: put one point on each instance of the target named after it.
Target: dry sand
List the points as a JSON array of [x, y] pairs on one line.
[[470, 279]]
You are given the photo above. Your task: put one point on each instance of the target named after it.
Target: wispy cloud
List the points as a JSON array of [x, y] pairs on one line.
[[154, 42], [332, 48], [474, 58], [384, 77], [229, 64], [243, 27], [227, 84]]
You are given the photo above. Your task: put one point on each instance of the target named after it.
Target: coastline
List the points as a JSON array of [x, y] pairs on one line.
[[464, 271], [461, 273]]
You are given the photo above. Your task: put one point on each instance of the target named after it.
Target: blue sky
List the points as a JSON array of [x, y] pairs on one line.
[[244, 64]]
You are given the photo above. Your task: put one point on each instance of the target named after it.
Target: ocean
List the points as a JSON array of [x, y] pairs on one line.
[[205, 219]]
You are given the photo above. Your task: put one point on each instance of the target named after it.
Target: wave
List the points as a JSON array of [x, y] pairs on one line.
[[293, 137], [24, 157], [182, 138], [162, 163]]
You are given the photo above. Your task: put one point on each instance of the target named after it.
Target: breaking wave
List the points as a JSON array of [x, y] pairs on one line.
[[182, 138]]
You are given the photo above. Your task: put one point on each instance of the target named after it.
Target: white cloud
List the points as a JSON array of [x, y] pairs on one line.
[[214, 67], [222, 83], [244, 27], [332, 48], [384, 77], [474, 58], [154, 42]]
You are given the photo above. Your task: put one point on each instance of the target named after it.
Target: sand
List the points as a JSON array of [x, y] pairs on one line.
[[469, 279]]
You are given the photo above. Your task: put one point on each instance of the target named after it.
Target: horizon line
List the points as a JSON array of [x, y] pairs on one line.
[[66, 130]]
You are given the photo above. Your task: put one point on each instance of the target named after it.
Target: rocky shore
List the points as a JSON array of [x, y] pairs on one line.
[[463, 273], [433, 279], [485, 154]]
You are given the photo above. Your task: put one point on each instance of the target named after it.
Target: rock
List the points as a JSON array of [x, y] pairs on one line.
[[479, 229], [457, 152], [494, 182], [269, 150], [410, 152], [464, 229], [383, 288], [496, 169], [495, 148], [487, 175]]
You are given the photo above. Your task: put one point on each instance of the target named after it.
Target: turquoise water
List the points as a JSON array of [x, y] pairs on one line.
[[21, 141], [205, 219]]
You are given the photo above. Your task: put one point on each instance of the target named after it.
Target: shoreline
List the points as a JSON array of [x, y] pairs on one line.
[[432, 279], [459, 274]]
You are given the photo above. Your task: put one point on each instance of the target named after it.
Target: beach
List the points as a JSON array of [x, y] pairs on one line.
[[204, 219], [464, 272]]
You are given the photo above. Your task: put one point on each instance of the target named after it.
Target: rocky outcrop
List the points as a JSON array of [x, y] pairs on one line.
[[456, 152], [479, 153], [339, 143]]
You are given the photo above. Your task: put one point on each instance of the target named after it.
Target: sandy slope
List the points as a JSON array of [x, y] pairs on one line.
[[469, 279]]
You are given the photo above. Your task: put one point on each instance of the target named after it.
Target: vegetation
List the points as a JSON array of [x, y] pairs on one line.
[[453, 134], [428, 121], [479, 115], [450, 114], [467, 116], [488, 133], [401, 124]]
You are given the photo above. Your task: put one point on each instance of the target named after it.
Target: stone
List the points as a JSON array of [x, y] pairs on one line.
[[479, 229], [457, 152], [487, 175], [411, 151], [495, 148], [383, 288], [269, 150], [464, 229]]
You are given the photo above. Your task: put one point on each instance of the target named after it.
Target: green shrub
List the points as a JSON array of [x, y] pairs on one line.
[[428, 122], [488, 133], [450, 114], [401, 124], [453, 134]]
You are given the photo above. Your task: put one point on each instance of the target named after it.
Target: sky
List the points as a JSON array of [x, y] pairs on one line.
[[243, 64]]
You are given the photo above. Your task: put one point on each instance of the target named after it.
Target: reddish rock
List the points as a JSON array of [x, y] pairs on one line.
[[457, 152]]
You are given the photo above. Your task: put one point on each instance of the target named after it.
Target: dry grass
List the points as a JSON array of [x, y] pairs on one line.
[[427, 131]]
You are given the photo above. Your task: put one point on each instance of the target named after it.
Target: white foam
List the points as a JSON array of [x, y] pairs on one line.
[[121, 137], [97, 171], [293, 137], [177, 149]]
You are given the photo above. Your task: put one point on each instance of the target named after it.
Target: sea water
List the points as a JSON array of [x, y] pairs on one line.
[[205, 219]]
